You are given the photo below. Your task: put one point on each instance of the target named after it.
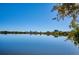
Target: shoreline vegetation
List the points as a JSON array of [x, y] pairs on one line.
[[70, 35], [53, 33]]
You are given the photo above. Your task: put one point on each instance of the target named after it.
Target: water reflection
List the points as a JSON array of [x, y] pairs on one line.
[[72, 36], [38, 43], [74, 39]]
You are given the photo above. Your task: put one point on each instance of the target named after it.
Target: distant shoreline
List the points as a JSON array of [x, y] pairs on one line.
[[54, 33]]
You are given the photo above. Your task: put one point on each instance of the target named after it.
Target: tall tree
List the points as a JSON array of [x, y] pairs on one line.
[[67, 10]]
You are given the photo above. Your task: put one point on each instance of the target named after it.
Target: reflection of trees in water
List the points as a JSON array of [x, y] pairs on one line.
[[73, 36], [74, 39], [65, 10]]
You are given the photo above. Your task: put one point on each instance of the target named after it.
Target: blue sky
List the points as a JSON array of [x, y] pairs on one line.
[[28, 16]]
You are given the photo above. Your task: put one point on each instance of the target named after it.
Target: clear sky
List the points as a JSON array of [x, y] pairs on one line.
[[26, 17]]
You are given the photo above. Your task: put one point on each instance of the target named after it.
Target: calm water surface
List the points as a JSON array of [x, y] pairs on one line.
[[36, 45]]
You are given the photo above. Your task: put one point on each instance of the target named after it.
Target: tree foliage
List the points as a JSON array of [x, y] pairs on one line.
[[67, 10]]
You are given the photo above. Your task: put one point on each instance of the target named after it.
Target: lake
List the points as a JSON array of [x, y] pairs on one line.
[[36, 45]]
